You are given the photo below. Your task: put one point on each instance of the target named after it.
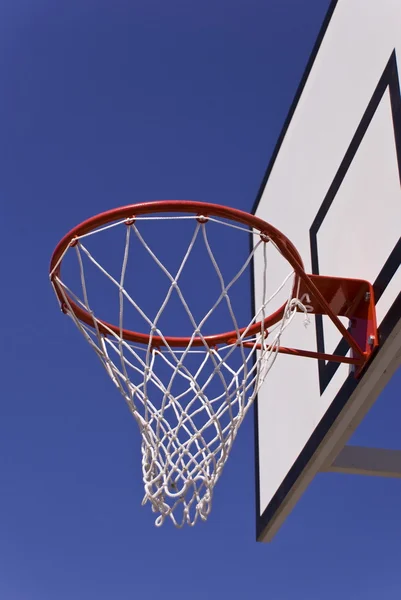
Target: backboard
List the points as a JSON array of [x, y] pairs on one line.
[[333, 187]]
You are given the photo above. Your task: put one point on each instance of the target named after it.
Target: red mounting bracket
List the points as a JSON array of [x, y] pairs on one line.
[[340, 297]]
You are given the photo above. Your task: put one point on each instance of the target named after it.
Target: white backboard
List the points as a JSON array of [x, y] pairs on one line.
[[333, 188]]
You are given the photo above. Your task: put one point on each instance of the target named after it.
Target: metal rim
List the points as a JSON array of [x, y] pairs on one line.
[[204, 209]]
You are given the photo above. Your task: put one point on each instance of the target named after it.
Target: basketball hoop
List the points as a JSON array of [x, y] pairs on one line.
[[189, 394]]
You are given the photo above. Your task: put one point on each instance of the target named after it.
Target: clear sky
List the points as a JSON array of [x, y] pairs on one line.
[[105, 103]]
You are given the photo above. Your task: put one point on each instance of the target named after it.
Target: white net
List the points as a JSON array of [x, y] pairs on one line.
[[189, 402]]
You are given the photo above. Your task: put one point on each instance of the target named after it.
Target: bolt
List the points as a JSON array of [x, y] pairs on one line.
[[371, 340], [367, 296]]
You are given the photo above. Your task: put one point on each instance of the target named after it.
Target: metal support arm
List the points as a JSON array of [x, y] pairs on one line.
[[357, 460]]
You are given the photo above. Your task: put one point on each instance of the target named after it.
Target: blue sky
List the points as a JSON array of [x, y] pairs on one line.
[[105, 104]]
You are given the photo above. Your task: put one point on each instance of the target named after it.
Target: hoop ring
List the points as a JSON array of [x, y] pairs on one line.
[[204, 209]]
